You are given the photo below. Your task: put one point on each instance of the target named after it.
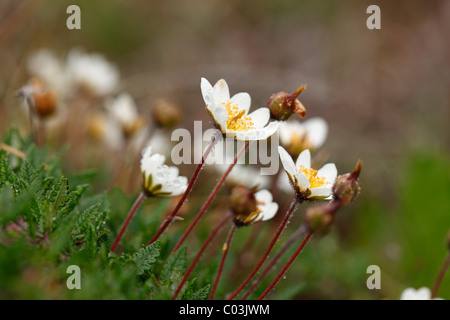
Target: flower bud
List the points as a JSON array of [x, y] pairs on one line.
[[166, 114], [43, 101], [243, 205], [282, 105], [319, 218], [347, 188]]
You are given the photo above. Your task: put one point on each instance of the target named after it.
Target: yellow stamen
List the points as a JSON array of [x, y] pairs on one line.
[[314, 180], [237, 121]]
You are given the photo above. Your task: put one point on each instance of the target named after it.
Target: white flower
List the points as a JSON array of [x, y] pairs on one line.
[[420, 294], [250, 207], [297, 136], [48, 68], [231, 114], [159, 179], [124, 111], [310, 183], [93, 72], [266, 206]]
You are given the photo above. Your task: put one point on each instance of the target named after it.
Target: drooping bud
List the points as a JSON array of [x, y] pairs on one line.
[[166, 114], [243, 205], [347, 187], [282, 105], [43, 101], [319, 218]]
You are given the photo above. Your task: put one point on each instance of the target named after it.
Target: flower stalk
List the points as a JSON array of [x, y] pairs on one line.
[[130, 215]]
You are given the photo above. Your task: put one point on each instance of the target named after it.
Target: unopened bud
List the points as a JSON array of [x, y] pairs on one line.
[[319, 218], [282, 105], [243, 205], [347, 188], [166, 114], [45, 103]]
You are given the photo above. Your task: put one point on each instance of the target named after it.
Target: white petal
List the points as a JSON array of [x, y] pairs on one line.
[[302, 181], [260, 117], [411, 294], [270, 211], [220, 116], [257, 134], [206, 89], [221, 92], [304, 159], [317, 130], [320, 192], [243, 101], [329, 172], [263, 196], [288, 163]]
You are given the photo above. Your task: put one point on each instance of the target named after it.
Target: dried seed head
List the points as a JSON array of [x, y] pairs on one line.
[[282, 105], [166, 114], [347, 187]]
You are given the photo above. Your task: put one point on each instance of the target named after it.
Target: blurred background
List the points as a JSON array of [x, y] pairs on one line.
[[384, 93]]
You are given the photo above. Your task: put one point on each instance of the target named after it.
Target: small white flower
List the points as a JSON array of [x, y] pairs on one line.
[[48, 68], [160, 179], [92, 71], [251, 207], [266, 206], [297, 136], [309, 183], [124, 111], [420, 294], [231, 114]]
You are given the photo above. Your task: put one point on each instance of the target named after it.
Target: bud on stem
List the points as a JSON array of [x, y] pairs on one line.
[[282, 105]]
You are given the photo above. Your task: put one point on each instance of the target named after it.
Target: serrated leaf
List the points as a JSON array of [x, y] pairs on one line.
[[58, 193], [145, 258], [176, 262]]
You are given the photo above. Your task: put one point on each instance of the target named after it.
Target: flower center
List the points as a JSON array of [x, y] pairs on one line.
[[314, 180], [237, 121]]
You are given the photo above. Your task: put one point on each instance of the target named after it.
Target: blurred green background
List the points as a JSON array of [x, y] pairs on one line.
[[384, 93]]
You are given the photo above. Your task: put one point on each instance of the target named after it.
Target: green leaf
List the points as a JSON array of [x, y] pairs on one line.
[[175, 263], [145, 258]]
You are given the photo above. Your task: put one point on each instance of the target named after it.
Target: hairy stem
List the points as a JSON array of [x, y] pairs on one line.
[[225, 250], [286, 266], [294, 237], [210, 199], [133, 209], [169, 218], [440, 276], [283, 223], [199, 254]]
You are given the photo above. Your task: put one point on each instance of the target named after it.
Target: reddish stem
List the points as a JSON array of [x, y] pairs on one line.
[[169, 218], [210, 199], [287, 265], [294, 237], [133, 209], [225, 250], [286, 218], [199, 254], [440, 276]]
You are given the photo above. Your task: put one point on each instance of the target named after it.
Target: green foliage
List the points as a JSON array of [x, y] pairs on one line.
[[49, 221]]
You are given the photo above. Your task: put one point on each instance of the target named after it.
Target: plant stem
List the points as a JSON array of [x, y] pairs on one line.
[[199, 254], [210, 199], [440, 276], [225, 250], [287, 265], [294, 237], [169, 218], [283, 223], [133, 209]]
